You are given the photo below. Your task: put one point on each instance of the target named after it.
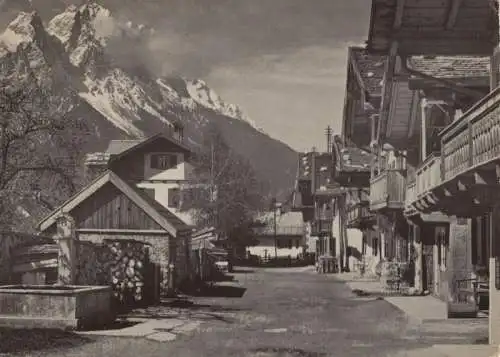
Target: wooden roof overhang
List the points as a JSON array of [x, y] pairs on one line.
[[456, 198], [399, 108], [433, 27]]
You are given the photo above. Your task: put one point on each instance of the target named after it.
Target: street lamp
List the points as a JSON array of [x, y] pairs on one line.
[[275, 206]]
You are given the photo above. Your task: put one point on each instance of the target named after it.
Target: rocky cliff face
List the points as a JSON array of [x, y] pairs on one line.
[[76, 55]]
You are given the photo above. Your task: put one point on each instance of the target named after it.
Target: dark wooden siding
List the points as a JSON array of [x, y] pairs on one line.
[[109, 208], [131, 169]]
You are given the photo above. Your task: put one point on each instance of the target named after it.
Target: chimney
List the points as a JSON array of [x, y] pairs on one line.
[[95, 164]]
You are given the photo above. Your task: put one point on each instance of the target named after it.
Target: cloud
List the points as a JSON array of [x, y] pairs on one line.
[[194, 36]]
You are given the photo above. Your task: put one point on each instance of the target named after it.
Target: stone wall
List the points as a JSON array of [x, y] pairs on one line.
[[10, 241]]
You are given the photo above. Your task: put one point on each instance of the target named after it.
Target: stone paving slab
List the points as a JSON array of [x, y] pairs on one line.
[[142, 329], [420, 308]]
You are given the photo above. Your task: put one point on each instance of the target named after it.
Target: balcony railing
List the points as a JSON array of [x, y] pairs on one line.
[[321, 227], [387, 190], [474, 139], [428, 175], [357, 214]]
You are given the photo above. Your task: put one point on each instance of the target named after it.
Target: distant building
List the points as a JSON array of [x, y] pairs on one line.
[[285, 239]]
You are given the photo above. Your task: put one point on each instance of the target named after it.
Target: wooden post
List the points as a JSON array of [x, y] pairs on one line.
[[417, 241], [494, 292], [67, 259], [423, 130]]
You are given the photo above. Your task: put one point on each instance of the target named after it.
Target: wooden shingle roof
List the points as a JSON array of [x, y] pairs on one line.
[[451, 66]]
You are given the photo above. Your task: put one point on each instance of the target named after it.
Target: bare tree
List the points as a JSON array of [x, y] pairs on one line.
[[39, 147], [231, 194]]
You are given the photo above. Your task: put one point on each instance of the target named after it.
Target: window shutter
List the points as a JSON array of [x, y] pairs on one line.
[[173, 161]]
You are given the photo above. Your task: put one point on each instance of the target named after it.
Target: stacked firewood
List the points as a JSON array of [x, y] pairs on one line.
[[127, 263]]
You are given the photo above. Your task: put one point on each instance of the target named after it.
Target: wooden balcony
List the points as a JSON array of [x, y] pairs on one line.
[[321, 227], [428, 175], [359, 216], [467, 184], [410, 198], [387, 191]]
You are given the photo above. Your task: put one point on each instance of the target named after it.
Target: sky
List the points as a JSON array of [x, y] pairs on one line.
[[282, 61]]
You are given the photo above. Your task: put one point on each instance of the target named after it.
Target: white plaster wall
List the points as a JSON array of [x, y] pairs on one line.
[[336, 233], [355, 241], [176, 173], [161, 196], [494, 308], [268, 244]]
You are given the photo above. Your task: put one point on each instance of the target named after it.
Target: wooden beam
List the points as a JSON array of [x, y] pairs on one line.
[[452, 13], [398, 20], [42, 264], [461, 186], [484, 177]]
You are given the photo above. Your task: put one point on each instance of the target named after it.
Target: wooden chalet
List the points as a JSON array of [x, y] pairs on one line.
[[126, 202], [324, 191], [365, 74], [434, 27], [302, 199], [352, 154], [458, 172]]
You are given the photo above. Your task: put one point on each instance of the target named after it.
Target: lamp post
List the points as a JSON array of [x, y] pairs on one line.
[[275, 206]]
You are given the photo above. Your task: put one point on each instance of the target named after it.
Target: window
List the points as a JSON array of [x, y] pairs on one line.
[[333, 247], [297, 243], [375, 246], [290, 244], [163, 161], [174, 197]]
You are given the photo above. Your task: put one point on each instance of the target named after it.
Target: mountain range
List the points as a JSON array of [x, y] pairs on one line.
[[79, 53]]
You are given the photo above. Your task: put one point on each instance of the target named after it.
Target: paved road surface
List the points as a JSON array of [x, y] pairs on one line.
[[282, 313]]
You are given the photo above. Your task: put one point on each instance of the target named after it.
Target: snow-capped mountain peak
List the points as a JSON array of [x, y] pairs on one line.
[[25, 29], [204, 95], [77, 54]]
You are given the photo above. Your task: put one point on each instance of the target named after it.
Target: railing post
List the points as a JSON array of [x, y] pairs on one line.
[[471, 143]]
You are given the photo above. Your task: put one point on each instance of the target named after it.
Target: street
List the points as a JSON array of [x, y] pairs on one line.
[[283, 312]]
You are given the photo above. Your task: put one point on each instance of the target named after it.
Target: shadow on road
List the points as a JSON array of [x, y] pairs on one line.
[[29, 341], [284, 352], [223, 291], [241, 270]]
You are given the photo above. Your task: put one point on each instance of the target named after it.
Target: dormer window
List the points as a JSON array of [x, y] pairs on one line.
[[163, 161]]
